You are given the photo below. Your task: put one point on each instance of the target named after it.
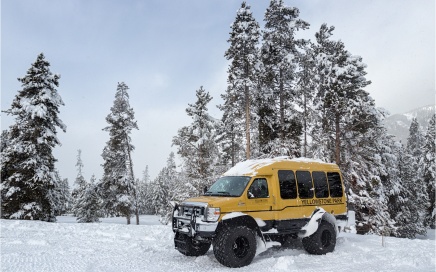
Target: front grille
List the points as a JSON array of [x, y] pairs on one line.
[[188, 211]]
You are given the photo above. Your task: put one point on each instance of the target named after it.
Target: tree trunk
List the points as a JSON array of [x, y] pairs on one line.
[[282, 107], [337, 140], [247, 122], [137, 215], [133, 178], [233, 146], [305, 125]]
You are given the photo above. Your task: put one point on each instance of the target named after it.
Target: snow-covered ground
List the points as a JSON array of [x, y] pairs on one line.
[[113, 246]]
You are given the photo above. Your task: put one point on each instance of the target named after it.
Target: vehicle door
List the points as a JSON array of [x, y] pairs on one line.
[[287, 205], [259, 198]]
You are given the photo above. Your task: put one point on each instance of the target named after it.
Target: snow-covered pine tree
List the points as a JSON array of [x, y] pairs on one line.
[[160, 197], [88, 203], [414, 195], [365, 150], [367, 168], [80, 184], [168, 187], [389, 152], [428, 162], [146, 193], [306, 92], [196, 144], [65, 197], [4, 167], [28, 165], [402, 190], [117, 184], [341, 79], [4, 140], [179, 190], [279, 56], [415, 140], [242, 81], [350, 131], [406, 216], [231, 129], [62, 195]]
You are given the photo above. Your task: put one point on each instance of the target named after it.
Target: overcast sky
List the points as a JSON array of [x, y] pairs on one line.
[[165, 50]]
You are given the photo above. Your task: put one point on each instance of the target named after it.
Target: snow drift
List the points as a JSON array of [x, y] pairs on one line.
[[112, 246]]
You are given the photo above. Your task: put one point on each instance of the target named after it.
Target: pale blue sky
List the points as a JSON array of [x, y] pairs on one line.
[[165, 50]]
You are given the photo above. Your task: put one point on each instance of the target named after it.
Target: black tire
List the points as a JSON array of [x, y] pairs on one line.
[[322, 241], [235, 247], [190, 247]]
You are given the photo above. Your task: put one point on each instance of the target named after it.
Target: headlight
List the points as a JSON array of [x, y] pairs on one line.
[[212, 214]]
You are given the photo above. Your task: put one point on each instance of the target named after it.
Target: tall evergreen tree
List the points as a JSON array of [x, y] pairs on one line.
[[279, 56], [161, 196], [242, 80], [408, 221], [168, 187], [341, 77], [61, 195], [389, 152], [428, 161], [80, 183], [231, 136], [350, 132], [305, 90], [196, 143], [88, 203], [146, 193], [415, 193], [117, 185], [5, 142], [65, 193], [29, 182], [415, 139]]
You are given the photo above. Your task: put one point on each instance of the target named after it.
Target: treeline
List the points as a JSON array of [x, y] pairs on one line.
[[285, 97]]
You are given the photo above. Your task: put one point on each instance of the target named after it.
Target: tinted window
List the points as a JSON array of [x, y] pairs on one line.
[[258, 189], [335, 184], [305, 187], [288, 187], [320, 183]]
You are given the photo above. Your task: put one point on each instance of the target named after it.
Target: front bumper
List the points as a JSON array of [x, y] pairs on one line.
[[192, 223]]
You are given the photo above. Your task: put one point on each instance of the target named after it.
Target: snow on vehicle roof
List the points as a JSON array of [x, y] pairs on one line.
[[250, 167]]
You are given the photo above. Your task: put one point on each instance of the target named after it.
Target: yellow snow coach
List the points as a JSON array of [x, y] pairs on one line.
[[264, 200]]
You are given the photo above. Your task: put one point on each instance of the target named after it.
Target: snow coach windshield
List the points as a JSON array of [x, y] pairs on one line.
[[228, 186]]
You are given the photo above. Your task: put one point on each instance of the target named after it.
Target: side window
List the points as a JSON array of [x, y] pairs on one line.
[[320, 183], [305, 186], [288, 187], [258, 189], [335, 184]]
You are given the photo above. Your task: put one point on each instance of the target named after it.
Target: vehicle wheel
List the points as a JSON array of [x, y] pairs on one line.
[[322, 241], [190, 247], [235, 247]]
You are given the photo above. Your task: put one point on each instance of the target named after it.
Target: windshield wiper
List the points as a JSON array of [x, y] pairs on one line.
[[217, 193], [223, 193]]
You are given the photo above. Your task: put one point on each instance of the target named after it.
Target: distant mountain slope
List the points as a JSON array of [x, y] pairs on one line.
[[398, 124]]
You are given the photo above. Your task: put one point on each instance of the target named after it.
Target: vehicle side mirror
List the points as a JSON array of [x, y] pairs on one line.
[[250, 194]]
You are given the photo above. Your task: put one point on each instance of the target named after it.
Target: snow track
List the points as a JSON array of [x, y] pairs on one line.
[[39, 246]]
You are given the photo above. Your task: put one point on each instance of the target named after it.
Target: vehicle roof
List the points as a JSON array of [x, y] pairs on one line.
[[266, 166]]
